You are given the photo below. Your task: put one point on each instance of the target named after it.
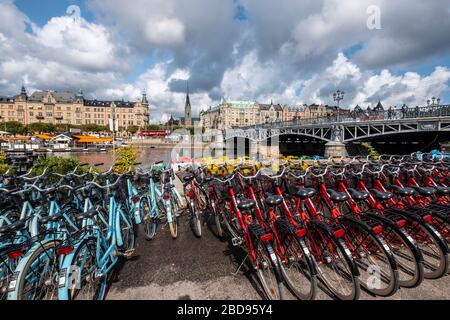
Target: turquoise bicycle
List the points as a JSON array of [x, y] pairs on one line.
[[85, 271]]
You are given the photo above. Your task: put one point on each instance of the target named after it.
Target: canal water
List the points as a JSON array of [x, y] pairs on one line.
[[146, 155]]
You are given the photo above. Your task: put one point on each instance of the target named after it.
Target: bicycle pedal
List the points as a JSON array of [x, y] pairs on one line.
[[127, 254], [237, 241]]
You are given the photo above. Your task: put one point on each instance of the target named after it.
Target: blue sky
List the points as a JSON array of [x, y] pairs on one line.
[[289, 51]]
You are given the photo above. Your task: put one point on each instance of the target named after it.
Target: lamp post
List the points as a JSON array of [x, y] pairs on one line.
[[113, 126], [337, 97]]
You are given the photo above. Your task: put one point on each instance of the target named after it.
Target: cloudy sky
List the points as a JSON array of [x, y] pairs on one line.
[[288, 51]]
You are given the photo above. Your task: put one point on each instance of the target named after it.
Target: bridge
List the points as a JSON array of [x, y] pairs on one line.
[[339, 130]]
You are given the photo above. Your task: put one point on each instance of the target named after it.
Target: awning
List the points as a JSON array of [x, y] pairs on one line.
[[94, 140], [44, 136]]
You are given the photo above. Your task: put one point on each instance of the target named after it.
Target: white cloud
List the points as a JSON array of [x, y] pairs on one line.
[[367, 87], [165, 32]]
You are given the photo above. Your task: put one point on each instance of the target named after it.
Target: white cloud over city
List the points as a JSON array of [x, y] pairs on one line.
[[288, 51]]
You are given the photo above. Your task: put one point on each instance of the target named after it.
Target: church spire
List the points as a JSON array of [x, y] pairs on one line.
[[187, 108], [144, 97]]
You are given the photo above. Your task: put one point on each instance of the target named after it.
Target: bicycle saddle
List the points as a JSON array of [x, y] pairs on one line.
[[53, 218], [13, 227], [337, 196], [424, 191], [273, 200], [403, 192], [383, 196], [245, 204], [305, 193], [88, 214], [358, 195], [188, 177]]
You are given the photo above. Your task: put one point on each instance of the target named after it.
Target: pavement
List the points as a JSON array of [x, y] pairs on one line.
[[202, 268]]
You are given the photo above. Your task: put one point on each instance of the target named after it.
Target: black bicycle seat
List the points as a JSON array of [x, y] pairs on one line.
[[337, 196], [245, 204]]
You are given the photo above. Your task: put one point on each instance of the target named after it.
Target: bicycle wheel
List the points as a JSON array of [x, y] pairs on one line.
[[38, 279], [173, 225], [148, 224], [195, 217], [127, 231], [408, 257], [88, 285], [335, 264], [299, 270], [267, 270], [375, 261], [434, 249], [216, 224]]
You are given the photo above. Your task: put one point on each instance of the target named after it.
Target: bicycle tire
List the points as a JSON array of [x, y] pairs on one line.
[[405, 250], [331, 254], [90, 280], [424, 233], [303, 264], [267, 271], [195, 219], [375, 252], [147, 225], [45, 249]]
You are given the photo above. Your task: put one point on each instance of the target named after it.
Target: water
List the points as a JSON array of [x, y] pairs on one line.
[[146, 155]]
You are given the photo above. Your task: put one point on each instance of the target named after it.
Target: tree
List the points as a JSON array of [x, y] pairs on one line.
[[14, 127], [133, 129], [39, 127], [3, 165], [151, 127], [93, 128], [126, 157]]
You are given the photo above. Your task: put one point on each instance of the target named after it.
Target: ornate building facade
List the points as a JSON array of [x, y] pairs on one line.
[[73, 109], [229, 114]]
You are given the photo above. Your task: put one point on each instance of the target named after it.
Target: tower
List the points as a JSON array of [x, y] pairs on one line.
[[145, 105], [187, 108], [23, 94]]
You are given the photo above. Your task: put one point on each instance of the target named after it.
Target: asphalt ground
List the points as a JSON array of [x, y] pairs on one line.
[[202, 268]]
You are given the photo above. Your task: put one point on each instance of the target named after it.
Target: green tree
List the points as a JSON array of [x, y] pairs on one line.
[[4, 166], [371, 150], [133, 129], [93, 128], [126, 157], [14, 127], [151, 127], [39, 127], [59, 165]]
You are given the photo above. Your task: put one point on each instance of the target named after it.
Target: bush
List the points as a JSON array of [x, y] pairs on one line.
[[126, 157], [61, 165], [374, 155], [3, 165]]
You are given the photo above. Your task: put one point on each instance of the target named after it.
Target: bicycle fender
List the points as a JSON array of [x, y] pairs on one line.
[[348, 255]]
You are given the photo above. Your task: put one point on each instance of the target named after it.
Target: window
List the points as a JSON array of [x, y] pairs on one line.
[[31, 114], [49, 114]]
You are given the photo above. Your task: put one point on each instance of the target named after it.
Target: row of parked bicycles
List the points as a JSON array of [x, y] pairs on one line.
[[62, 235], [375, 223]]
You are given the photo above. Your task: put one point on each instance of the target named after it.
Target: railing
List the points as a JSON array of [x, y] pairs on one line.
[[362, 116]]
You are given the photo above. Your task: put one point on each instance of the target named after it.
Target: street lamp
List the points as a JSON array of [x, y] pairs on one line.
[[337, 97], [113, 125]]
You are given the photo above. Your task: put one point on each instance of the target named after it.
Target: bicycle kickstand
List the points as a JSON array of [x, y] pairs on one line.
[[240, 266]]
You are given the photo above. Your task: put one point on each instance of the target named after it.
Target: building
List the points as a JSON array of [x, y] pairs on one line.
[[234, 114], [187, 109], [73, 109]]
